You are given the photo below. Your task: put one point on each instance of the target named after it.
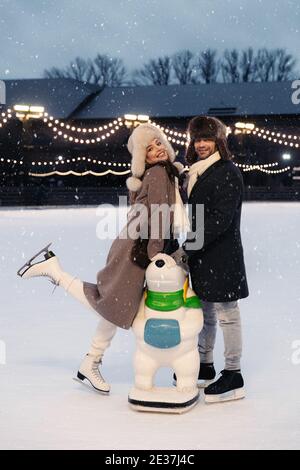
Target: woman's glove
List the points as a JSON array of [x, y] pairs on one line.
[[139, 254]]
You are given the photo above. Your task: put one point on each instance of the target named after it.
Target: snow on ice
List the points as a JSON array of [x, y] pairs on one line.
[[45, 335]]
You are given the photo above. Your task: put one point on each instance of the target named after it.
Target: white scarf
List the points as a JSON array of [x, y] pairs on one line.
[[199, 168], [181, 224]]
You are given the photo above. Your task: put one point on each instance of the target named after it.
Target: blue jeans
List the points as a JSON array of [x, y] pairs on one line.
[[228, 315]]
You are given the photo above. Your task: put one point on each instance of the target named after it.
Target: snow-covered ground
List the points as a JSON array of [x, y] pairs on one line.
[[45, 336]]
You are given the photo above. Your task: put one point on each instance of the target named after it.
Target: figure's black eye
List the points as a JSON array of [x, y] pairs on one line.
[[159, 263]]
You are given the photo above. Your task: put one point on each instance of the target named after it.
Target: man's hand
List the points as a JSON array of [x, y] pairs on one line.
[[181, 258]]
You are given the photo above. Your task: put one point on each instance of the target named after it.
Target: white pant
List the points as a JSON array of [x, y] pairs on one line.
[[102, 338], [105, 330]]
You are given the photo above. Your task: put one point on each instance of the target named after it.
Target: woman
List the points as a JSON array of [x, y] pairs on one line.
[[117, 294], [217, 268]]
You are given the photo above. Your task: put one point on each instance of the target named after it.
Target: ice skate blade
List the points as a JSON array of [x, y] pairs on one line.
[[90, 386], [200, 384], [236, 394], [162, 400], [28, 263]]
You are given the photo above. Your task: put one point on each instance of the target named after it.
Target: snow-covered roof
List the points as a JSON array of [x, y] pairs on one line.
[[65, 97], [271, 98], [59, 96]]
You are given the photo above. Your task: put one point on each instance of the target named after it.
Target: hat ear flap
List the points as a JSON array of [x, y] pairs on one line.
[[138, 160], [223, 149], [190, 154]]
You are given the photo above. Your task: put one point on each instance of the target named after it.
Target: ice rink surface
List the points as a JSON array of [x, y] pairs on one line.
[[44, 336]]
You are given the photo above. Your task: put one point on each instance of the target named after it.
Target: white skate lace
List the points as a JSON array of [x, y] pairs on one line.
[[96, 373], [50, 278]]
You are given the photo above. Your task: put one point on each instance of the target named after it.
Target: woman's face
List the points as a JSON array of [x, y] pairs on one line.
[[204, 148], [156, 152]]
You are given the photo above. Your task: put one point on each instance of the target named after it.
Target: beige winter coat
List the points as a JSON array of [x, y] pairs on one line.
[[119, 288]]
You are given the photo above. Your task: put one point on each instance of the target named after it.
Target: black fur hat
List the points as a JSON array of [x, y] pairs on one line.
[[208, 128]]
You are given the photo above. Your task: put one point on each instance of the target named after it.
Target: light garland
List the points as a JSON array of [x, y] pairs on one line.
[[11, 160], [5, 117], [108, 130], [280, 138], [84, 173], [263, 170], [171, 134], [247, 166], [255, 131], [276, 137], [62, 161], [244, 167]]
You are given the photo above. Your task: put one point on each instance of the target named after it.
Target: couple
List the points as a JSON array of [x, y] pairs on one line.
[[217, 269]]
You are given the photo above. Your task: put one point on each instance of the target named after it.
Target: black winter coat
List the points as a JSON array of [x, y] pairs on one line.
[[217, 269]]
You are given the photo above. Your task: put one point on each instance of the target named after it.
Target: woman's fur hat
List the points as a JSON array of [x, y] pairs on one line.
[[208, 128], [137, 144]]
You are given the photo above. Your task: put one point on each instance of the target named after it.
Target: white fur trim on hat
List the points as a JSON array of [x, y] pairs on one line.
[[137, 144], [133, 183]]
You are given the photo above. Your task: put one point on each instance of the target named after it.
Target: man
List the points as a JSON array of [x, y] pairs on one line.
[[217, 268]]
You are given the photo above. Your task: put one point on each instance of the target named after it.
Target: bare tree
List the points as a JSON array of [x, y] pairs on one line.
[[247, 65], [230, 66], [78, 69], [106, 71], [184, 67], [274, 65], [155, 72], [284, 66], [208, 66], [264, 64], [102, 71]]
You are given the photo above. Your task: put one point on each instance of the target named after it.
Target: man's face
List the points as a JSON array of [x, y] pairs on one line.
[[156, 152], [204, 148]]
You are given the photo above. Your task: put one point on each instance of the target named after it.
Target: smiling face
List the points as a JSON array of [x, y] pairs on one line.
[[156, 152], [204, 148]]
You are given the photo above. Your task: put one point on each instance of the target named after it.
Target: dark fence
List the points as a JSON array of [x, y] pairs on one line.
[[11, 196], [41, 196]]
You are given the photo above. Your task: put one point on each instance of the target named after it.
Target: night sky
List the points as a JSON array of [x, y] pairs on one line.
[[39, 34]]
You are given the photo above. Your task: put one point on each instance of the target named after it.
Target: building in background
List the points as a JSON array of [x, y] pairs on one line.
[[69, 137]]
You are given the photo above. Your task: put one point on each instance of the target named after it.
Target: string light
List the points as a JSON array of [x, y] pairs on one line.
[[97, 134], [263, 169], [61, 161], [11, 160], [75, 134], [266, 165], [84, 173], [4, 117], [279, 138], [173, 136]]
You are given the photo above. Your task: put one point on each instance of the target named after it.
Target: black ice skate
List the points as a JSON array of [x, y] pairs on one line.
[[206, 375], [230, 386]]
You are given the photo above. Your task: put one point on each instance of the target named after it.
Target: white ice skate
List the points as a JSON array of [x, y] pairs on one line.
[[89, 371], [48, 267]]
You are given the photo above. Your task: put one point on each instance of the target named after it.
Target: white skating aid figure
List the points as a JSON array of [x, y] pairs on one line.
[[166, 329]]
